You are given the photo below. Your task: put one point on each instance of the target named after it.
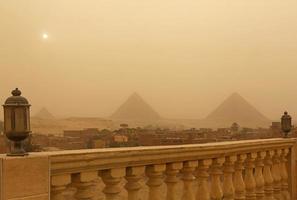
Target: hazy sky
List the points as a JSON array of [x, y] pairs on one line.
[[183, 56]]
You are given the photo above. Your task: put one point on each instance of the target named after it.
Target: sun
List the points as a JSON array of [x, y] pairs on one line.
[[45, 36]]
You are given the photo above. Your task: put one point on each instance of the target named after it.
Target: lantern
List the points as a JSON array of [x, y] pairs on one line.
[[16, 121], [286, 122]]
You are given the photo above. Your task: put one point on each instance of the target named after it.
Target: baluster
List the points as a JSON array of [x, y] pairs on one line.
[[239, 185], [276, 175], [284, 175], [268, 179], [84, 183], [155, 175], [259, 175], [228, 187], [172, 169], [249, 179], [202, 180], [112, 179], [216, 192], [59, 185], [188, 179], [133, 176]]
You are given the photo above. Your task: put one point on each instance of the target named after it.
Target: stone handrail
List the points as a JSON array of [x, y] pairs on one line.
[[250, 169]]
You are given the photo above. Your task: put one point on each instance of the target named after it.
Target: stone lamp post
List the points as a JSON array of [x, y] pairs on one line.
[[17, 122], [286, 123]]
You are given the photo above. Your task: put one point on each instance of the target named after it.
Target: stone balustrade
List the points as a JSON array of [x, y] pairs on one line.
[[250, 169]]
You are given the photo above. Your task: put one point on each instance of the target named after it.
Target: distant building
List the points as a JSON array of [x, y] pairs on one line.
[[98, 144], [72, 133], [235, 128], [223, 130], [89, 132], [124, 126], [275, 126], [120, 138], [205, 130]]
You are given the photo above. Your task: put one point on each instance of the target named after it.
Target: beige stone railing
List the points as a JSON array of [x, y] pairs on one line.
[[250, 169]]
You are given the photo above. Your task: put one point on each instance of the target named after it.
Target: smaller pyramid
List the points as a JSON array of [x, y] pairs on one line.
[[236, 109], [135, 108], [44, 114]]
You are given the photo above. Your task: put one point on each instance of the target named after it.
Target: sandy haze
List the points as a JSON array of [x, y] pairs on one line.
[[184, 57]]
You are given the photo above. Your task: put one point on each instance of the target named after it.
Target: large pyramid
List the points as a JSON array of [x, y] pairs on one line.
[[236, 109], [44, 114], [135, 108]]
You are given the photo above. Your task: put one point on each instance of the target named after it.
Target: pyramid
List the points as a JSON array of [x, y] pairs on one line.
[[135, 108], [236, 109], [44, 114]]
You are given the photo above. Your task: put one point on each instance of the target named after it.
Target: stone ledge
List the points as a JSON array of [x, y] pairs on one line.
[[100, 159], [24, 177]]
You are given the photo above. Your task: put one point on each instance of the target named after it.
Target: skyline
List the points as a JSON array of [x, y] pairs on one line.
[[182, 57], [135, 98]]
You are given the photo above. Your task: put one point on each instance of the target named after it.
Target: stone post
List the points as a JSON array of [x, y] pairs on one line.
[[275, 170], [268, 186], [188, 179], [238, 178], [133, 176], [59, 185], [155, 180], [84, 183], [249, 180], [228, 186], [216, 192], [203, 192], [172, 169], [112, 179], [259, 175], [284, 175]]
